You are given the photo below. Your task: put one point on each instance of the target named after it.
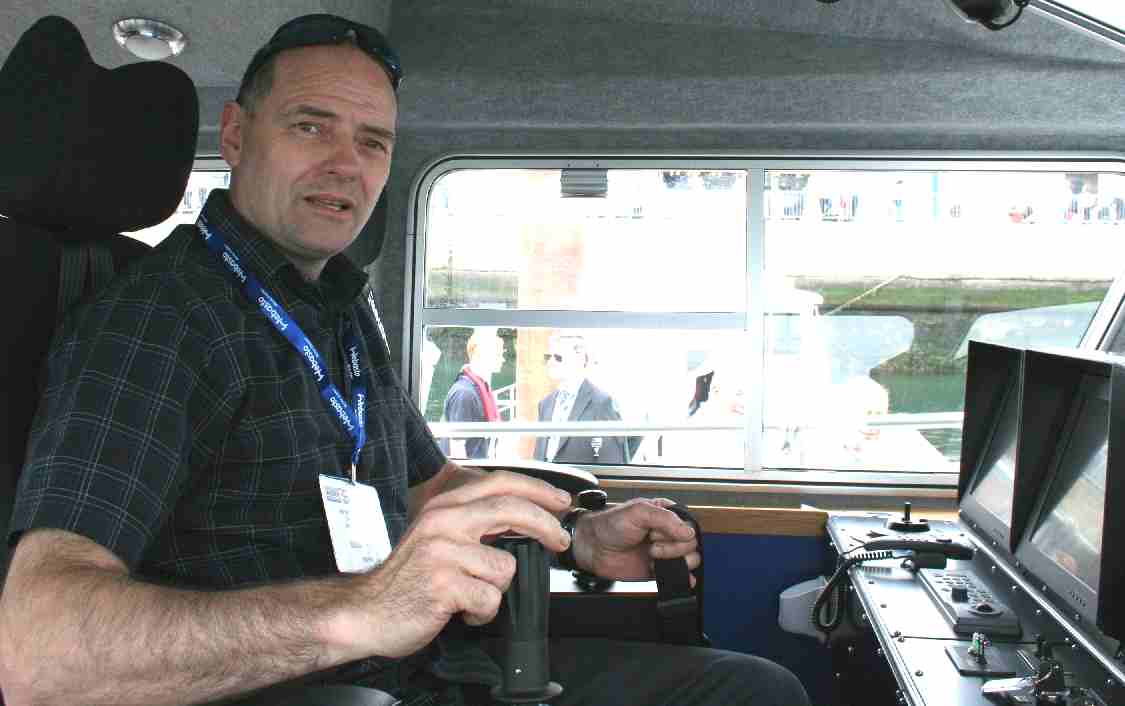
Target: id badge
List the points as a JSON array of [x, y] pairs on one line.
[[355, 521]]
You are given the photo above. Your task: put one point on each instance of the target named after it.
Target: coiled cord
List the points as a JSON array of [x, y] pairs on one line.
[[834, 595]]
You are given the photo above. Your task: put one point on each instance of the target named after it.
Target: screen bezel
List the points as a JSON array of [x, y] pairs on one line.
[[996, 528], [1080, 598], [993, 376]]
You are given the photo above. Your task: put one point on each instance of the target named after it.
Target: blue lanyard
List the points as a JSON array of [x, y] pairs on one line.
[[350, 417]]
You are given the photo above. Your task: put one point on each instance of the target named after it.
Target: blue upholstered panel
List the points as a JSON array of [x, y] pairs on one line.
[[745, 574]]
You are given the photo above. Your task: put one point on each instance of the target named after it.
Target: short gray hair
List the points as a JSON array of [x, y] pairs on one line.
[[255, 90]]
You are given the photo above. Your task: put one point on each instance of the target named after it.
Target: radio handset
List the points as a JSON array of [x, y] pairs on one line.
[[947, 548]]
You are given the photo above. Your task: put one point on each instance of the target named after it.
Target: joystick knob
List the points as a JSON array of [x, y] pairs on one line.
[[905, 524]]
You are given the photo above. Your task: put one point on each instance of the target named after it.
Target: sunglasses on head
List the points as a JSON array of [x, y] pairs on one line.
[[321, 29], [548, 357]]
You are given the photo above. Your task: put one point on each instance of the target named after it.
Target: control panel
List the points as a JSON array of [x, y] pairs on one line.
[[967, 604], [959, 627]]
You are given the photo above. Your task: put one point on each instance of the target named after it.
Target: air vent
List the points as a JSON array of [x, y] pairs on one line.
[[585, 183]]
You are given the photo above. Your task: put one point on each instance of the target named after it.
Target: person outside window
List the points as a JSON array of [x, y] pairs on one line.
[[576, 399], [862, 444], [228, 493], [470, 398], [719, 391]]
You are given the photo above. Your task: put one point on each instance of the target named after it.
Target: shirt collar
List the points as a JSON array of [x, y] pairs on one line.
[[572, 387], [340, 281]]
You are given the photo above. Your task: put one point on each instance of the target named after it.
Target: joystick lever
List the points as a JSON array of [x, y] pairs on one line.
[[523, 615], [905, 524]]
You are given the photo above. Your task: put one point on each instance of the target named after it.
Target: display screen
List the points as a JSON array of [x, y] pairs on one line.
[[995, 478], [1069, 527]]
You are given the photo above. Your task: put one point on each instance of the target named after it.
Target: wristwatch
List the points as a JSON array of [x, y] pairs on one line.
[[588, 500], [569, 523]]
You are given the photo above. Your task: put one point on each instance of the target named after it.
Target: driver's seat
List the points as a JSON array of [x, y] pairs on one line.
[[88, 153]]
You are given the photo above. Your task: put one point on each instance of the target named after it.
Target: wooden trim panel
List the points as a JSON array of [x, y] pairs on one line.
[[798, 492], [782, 522]]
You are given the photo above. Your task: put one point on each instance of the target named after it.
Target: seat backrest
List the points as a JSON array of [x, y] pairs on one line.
[[87, 152]]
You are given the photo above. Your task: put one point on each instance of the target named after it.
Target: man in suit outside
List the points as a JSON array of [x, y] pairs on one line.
[[576, 399]]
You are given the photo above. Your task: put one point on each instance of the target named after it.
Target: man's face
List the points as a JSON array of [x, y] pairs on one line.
[[308, 164], [727, 392], [563, 364], [489, 356]]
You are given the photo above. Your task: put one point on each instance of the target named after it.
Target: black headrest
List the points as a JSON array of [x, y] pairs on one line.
[[86, 149]]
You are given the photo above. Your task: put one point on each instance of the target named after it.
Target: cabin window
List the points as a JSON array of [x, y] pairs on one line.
[[753, 315], [208, 174]]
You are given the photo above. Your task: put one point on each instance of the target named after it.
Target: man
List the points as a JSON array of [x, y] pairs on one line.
[[471, 399], [576, 399], [224, 458]]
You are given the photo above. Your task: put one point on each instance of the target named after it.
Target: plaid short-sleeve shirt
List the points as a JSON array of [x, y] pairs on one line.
[[182, 432]]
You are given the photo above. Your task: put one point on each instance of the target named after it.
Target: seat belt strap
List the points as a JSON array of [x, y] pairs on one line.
[[73, 262], [102, 269], [679, 606], [84, 268]]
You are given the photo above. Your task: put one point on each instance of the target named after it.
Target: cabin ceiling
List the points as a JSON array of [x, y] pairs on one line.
[[220, 31], [877, 62], [647, 64]]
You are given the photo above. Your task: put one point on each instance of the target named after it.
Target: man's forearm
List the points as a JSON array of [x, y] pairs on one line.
[[106, 638]]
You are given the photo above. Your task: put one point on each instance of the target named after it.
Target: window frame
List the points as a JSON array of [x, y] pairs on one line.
[[1108, 318], [202, 163]]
